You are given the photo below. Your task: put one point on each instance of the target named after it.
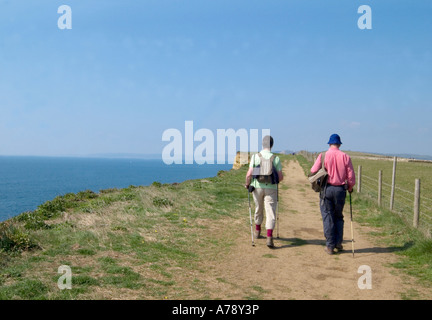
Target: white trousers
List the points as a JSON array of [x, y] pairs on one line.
[[265, 199]]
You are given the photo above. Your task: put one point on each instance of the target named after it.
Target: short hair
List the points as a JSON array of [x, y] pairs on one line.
[[267, 142]]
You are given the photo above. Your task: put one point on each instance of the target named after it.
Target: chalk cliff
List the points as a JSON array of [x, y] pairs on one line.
[[242, 158]]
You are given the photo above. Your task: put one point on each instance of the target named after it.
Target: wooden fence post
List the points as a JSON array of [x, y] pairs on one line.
[[379, 188], [359, 179], [393, 184], [416, 203]]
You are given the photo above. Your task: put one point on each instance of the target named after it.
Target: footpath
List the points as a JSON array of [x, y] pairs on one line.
[[298, 268]]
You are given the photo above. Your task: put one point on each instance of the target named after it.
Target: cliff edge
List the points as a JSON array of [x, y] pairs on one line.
[[241, 159]]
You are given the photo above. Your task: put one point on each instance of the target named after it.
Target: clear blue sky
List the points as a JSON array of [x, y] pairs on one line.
[[128, 70]]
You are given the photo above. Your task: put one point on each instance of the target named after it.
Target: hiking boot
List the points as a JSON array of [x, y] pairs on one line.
[[339, 248], [328, 250], [270, 243], [257, 234]]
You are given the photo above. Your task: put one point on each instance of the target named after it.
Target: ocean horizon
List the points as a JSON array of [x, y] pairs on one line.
[[28, 181]]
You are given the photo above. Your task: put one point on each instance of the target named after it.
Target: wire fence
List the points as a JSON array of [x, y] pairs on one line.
[[404, 202]]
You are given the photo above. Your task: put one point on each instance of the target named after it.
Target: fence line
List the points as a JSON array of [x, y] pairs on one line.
[[426, 199], [421, 211], [412, 193]]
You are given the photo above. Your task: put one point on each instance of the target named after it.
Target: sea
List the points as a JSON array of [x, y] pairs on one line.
[[27, 182]]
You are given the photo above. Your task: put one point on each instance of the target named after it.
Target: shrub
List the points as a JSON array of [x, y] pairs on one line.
[[221, 173], [162, 202], [14, 239], [51, 209], [110, 190], [85, 195]]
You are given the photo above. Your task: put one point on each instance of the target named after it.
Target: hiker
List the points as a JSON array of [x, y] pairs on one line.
[[341, 177], [266, 192]]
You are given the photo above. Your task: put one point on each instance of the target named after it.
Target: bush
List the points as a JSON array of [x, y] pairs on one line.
[[110, 190], [221, 173], [14, 239], [36, 224], [86, 195], [33, 220], [51, 209], [162, 202]]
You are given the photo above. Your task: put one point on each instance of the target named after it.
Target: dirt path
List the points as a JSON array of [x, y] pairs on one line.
[[298, 268]]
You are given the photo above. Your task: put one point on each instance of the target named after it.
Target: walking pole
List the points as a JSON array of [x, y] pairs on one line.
[[250, 214], [277, 210], [352, 233]]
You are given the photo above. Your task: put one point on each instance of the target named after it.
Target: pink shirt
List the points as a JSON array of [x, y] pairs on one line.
[[339, 167]]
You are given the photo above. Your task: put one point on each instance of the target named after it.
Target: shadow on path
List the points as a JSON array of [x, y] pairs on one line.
[[298, 242], [392, 249]]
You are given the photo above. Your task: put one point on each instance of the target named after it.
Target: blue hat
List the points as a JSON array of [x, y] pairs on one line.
[[334, 139]]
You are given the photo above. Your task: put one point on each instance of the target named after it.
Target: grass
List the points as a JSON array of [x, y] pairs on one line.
[[409, 243], [406, 173], [137, 242]]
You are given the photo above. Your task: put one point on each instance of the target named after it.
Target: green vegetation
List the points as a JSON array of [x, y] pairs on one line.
[[399, 237], [137, 242], [406, 173]]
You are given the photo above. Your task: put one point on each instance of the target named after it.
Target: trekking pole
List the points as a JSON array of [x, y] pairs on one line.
[[251, 188], [277, 210], [352, 232]]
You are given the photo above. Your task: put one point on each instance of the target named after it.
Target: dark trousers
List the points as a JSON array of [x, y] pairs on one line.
[[331, 206]]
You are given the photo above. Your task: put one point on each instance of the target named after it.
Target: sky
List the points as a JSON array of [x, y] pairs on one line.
[[128, 71]]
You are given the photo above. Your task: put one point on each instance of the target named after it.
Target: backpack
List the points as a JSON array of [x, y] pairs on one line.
[[318, 179], [264, 172]]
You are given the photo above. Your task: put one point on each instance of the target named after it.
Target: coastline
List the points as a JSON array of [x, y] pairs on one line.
[[30, 181], [104, 237]]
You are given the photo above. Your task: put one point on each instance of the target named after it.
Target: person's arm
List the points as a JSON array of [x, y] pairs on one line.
[[280, 175], [249, 172], [351, 180], [317, 165], [277, 164], [248, 178]]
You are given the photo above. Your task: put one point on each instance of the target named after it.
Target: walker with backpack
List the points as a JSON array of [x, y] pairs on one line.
[[264, 173]]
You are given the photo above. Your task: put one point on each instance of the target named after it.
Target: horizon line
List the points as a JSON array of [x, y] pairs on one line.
[[126, 155]]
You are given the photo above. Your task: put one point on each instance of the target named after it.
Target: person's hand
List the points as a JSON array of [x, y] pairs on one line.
[[246, 186], [350, 190]]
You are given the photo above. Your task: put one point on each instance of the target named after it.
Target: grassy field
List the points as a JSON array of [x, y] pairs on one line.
[[406, 173], [134, 243], [395, 227]]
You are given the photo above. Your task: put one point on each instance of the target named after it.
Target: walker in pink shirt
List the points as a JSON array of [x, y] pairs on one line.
[[339, 167]]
